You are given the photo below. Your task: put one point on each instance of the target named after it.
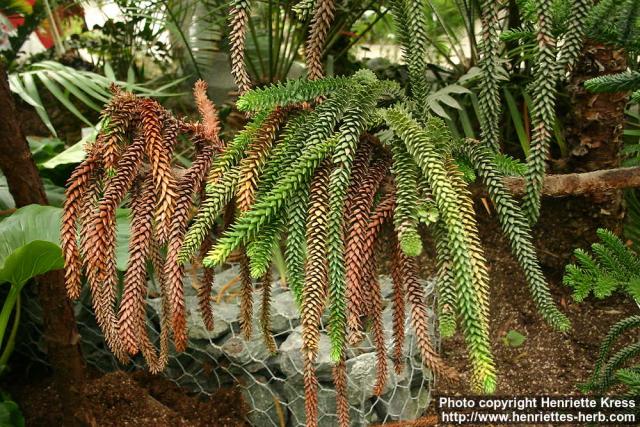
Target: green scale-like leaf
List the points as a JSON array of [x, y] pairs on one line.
[[516, 228], [353, 125], [421, 144]]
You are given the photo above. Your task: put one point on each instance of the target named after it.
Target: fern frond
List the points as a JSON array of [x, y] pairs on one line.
[[607, 376], [574, 36], [614, 333], [446, 286], [408, 274], [218, 195], [256, 156], [264, 210], [509, 166], [260, 250], [353, 125], [235, 150], [295, 250], [410, 23]]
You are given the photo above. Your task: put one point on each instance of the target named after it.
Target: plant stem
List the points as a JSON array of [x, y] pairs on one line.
[[11, 341]]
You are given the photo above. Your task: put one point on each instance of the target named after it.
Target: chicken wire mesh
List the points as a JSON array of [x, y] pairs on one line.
[[271, 384]]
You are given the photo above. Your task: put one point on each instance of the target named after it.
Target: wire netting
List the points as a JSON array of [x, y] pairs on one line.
[[271, 384]]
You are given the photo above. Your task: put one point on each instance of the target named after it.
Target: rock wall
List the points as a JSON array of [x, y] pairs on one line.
[[272, 384]]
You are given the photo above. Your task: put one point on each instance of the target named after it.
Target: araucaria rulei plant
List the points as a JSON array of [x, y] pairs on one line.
[[323, 167], [131, 162]]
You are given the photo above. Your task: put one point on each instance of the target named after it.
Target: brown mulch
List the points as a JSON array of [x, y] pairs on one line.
[[138, 399]]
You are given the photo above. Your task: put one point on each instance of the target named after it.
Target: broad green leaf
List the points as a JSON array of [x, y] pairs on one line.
[[36, 223], [10, 414], [74, 154], [30, 260]]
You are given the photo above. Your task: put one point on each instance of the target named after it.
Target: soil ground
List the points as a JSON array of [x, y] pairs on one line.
[[548, 362], [131, 399]]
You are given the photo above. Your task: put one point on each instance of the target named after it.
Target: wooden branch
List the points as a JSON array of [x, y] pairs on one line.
[[575, 184]]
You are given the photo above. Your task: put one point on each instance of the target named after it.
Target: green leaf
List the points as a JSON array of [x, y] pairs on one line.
[[514, 338], [10, 415], [21, 257], [72, 155], [30, 260], [43, 149]]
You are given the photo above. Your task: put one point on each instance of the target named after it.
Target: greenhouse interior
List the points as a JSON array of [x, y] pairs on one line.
[[321, 213]]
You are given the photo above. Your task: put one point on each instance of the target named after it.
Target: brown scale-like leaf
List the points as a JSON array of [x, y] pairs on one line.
[[342, 399], [100, 257], [382, 214], [208, 113], [310, 390], [359, 203], [265, 313], [132, 306], [314, 292], [398, 313], [408, 273], [203, 292], [257, 154], [119, 114], [237, 37], [190, 184], [246, 295], [79, 183], [156, 361], [382, 370], [320, 24], [151, 115]]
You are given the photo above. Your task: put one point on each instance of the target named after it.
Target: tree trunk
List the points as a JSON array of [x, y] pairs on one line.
[[60, 332], [595, 125]]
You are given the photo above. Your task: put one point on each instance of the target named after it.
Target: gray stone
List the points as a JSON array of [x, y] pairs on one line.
[[290, 358], [403, 404], [362, 377], [263, 401], [224, 316], [284, 312], [250, 354], [294, 392]]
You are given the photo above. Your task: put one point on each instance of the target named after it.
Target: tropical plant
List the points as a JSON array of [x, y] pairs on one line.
[[88, 88], [132, 155], [612, 268], [29, 247], [325, 164]]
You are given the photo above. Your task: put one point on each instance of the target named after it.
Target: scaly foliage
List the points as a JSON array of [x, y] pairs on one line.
[[134, 158]]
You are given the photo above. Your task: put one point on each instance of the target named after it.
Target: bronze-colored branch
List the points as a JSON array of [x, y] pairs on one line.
[[575, 184]]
